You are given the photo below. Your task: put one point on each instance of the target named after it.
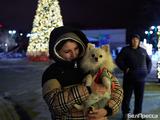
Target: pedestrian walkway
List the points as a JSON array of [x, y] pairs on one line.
[[21, 80]]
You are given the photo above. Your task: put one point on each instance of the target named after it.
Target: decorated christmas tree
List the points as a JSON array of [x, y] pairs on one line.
[[48, 17]]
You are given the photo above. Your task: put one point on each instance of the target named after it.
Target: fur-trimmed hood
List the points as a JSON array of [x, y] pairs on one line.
[[64, 33]]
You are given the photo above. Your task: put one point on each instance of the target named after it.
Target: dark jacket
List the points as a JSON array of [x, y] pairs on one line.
[[137, 60], [61, 70], [65, 73]]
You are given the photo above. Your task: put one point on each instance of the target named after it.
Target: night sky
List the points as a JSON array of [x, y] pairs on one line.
[[133, 15]]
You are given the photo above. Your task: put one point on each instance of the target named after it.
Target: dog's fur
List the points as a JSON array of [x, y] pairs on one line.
[[93, 60]]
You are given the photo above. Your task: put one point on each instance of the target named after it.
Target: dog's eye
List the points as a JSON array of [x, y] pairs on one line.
[[100, 56], [93, 55]]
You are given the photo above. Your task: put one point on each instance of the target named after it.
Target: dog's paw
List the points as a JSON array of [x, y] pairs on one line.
[[88, 80]]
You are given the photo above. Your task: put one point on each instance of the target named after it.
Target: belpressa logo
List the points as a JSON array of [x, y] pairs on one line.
[[140, 115]]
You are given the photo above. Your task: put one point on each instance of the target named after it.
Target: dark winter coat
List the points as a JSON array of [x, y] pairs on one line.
[[137, 60], [65, 71]]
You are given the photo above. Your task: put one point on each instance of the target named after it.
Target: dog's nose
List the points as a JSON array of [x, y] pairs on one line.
[[96, 59]]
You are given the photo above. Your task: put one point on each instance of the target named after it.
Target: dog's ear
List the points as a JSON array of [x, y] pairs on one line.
[[90, 45], [105, 47]]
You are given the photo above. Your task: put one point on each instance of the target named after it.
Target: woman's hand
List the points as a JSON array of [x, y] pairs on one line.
[[97, 114]]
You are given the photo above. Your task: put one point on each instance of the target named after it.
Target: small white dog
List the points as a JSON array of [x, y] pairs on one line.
[[97, 62]]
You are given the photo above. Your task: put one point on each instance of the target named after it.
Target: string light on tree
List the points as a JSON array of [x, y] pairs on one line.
[[47, 17]]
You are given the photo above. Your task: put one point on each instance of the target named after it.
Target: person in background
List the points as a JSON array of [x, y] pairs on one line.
[[136, 64], [62, 85]]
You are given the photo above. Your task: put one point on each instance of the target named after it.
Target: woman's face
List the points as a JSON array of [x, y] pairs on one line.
[[69, 51]]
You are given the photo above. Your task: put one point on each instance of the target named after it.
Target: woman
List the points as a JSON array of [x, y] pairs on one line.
[[62, 80]]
